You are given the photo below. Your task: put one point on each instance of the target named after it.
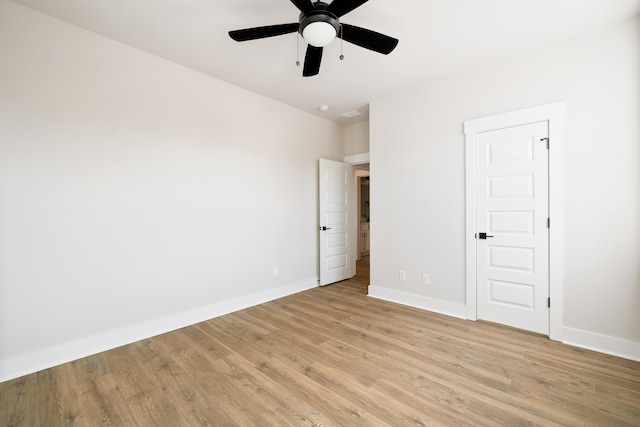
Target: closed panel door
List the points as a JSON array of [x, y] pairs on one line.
[[513, 236], [336, 180]]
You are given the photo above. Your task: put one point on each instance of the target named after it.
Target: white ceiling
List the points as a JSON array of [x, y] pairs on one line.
[[436, 37]]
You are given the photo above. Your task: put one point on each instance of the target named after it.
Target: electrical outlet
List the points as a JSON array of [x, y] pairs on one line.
[[426, 279], [403, 275], [275, 272]]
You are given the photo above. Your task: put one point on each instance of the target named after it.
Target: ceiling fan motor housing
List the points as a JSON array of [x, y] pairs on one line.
[[321, 26]]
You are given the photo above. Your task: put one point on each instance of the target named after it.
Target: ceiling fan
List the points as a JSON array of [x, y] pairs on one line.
[[319, 24]]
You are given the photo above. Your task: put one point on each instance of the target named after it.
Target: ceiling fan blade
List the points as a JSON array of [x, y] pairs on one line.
[[262, 32], [342, 7], [312, 61], [368, 39], [303, 5]]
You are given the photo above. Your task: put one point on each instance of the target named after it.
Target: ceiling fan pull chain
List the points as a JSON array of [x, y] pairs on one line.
[[341, 41], [297, 50]]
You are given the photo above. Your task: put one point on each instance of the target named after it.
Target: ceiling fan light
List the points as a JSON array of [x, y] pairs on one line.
[[319, 33]]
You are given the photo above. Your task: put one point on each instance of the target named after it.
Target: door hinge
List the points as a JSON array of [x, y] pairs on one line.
[[548, 222], [545, 139], [549, 302]]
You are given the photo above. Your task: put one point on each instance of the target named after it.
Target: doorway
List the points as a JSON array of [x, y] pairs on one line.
[[363, 182], [336, 224], [482, 289], [363, 260], [342, 219], [362, 215]]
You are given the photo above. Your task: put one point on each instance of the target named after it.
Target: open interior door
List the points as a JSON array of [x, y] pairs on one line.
[[336, 221]]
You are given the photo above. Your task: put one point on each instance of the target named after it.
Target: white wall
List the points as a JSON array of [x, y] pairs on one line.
[[137, 195], [356, 138], [417, 158]]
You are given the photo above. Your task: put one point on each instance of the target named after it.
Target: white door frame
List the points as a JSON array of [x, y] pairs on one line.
[[554, 114]]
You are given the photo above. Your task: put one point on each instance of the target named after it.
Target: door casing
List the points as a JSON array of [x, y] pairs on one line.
[[554, 114]]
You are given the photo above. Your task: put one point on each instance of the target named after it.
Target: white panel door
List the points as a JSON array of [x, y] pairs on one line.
[[336, 181], [512, 231]]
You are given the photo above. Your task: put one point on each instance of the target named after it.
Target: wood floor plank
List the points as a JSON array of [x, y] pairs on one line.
[[332, 356], [18, 402], [397, 408], [333, 408], [270, 398], [566, 399], [58, 399]]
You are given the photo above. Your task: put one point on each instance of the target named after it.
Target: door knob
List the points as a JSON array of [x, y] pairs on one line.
[[323, 228]]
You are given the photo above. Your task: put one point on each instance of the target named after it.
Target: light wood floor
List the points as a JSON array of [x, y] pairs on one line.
[[332, 356]]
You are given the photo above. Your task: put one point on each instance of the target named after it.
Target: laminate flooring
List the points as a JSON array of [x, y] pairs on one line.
[[332, 356]]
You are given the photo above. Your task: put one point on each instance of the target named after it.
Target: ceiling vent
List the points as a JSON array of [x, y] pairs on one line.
[[350, 114]]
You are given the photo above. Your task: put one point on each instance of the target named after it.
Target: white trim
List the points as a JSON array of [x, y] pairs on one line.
[[418, 301], [602, 343], [357, 159], [554, 114], [55, 355], [588, 340], [470, 224], [556, 231], [525, 116]]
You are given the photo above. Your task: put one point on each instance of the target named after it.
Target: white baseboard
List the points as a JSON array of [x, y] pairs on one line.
[[419, 301], [66, 352], [588, 340], [602, 343]]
